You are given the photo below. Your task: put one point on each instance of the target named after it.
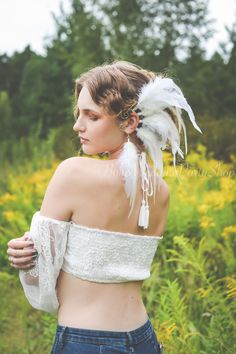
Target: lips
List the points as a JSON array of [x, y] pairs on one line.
[[81, 138]]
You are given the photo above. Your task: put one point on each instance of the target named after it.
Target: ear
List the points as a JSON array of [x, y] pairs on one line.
[[133, 121]]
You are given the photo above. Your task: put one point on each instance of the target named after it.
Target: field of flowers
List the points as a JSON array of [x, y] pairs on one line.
[[191, 294]]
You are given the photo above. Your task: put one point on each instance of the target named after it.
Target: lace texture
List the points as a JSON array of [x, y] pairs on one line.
[[39, 283], [87, 253]]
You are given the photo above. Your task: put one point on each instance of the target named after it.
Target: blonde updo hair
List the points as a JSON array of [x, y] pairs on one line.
[[115, 87]]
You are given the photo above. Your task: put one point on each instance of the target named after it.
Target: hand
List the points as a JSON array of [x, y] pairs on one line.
[[21, 252]]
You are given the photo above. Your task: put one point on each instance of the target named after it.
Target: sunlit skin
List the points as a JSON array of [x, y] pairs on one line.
[[102, 130]]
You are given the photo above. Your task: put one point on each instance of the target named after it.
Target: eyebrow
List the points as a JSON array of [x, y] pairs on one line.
[[88, 110]]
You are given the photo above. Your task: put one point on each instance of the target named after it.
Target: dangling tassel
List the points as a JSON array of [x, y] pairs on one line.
[[142, 214], [146, 182], [146, 216]]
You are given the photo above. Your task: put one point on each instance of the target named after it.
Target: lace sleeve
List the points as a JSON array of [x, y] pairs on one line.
[[39, 283]]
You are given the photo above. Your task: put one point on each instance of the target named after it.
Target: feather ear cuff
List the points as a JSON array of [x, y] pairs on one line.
[[156, 129], [130, 161]]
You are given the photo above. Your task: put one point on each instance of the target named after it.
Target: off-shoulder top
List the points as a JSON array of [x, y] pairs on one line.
[[87, 253]]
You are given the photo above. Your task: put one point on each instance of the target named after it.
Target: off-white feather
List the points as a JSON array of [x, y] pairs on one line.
[[128, 160], [161, 93], [158, 128]]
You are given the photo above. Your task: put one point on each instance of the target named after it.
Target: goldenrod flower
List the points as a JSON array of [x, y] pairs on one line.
[[229, 230], [9, 215]]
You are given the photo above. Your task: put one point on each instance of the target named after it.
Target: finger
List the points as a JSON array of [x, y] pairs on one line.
[[25, 237], [17, 243], [22, 252], [22, 260], [27, 266]]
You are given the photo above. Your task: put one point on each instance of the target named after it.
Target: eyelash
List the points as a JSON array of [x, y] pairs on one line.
[[92, 118]]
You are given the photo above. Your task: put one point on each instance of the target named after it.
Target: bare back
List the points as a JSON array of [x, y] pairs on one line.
[[99, 201]]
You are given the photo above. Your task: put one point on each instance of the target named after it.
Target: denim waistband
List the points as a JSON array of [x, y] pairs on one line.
[[100, 337]]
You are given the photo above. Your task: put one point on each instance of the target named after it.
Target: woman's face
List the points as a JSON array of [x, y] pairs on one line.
[[101, 130]]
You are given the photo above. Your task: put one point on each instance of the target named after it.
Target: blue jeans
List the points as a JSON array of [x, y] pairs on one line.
[[142, 340]]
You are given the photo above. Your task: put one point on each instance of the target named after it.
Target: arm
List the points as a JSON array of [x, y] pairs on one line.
[[39, 283], [21, 250], [48, 230]]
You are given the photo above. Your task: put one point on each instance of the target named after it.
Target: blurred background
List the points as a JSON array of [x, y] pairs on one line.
[[44, 47], [181, 38]]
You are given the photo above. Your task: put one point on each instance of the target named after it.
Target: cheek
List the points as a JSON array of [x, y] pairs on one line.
[[108, 132]]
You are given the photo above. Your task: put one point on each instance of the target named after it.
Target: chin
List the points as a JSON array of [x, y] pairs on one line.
[[91, 151]]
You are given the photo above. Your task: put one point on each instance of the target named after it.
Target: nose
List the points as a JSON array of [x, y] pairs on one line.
[[78, 126]]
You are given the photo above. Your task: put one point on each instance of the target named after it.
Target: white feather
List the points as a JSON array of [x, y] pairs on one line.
[[154, 148], [128, 162], [161, 93], [158, 131]]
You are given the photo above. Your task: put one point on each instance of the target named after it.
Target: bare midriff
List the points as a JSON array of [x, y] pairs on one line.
[[100, 306]]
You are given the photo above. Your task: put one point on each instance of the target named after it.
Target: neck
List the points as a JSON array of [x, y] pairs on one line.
[[115, 153]]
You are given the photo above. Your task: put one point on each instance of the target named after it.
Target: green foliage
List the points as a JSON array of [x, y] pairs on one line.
[[5, 114], [30, 148], [63, 145], [19, 324]]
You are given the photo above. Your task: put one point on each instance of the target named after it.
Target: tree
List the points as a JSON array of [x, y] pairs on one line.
[[152, 33], [230, 103], [6, 125], [78, 42]]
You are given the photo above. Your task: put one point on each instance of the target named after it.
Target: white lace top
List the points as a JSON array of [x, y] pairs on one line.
[[87, 253]]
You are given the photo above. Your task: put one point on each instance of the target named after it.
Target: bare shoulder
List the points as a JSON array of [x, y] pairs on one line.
[[69, 180], [77, 161], [73, 162], [82, 170], [76, 165]]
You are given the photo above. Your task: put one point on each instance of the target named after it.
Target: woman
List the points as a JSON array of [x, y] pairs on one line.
[[97, 231]]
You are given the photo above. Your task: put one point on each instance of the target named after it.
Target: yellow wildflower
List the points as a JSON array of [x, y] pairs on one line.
[[206, 222], [9, 215], [40, 176], [227, 184], [165, 330], [203, 292], [228, 230], [231, 285], [6, 197], [203, 208], [217, 199]]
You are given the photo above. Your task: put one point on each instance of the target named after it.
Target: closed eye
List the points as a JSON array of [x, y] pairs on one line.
[[87, 112]]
